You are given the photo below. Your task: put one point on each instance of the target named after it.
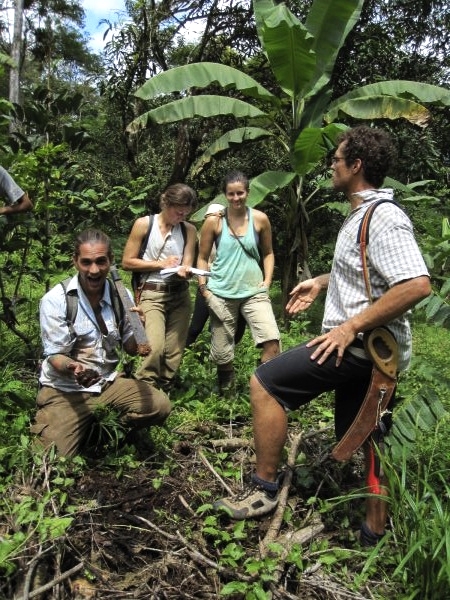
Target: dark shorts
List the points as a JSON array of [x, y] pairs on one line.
[[293, 379]]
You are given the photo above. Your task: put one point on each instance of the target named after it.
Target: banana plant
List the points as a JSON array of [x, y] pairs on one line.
[[302, 57]]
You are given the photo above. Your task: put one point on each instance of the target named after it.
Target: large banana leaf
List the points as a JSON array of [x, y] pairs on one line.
[[422, 92], [413, 90], [330, 23], [288, 46], [268, 183], [203, 75], [312, 145], [195, 106], [235, 137], [380, 107]]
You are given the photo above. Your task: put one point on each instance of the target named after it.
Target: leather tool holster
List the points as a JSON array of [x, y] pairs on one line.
[[382, 348]]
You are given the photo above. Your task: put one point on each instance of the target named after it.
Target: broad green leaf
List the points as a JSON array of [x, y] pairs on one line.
[[261, 8], [268, 183], [424, 412], [203, 75], [195, 106], [422, 92], [330, 23], [445, 227], [312, 145], [235, 137], [288, 46], [380, 107], [433, 306], [445, 289], [314, 108]]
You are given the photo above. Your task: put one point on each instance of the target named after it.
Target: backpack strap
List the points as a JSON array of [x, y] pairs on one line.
[[72, 306], [363, 240], [117, 305], [136, 276], [144, 242]]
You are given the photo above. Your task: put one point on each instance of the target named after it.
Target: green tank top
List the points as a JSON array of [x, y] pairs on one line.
[[235, 274]]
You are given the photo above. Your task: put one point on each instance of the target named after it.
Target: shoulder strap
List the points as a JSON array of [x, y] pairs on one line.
[[363, 240], [247, 252], [147, 235], [136, 275], [72, 306], [117, 305], [184, 233]]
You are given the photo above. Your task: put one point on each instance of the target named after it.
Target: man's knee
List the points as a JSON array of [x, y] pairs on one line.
[[257, 393]]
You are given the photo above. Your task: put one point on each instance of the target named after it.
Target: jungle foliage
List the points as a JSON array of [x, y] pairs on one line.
[[94, 140]]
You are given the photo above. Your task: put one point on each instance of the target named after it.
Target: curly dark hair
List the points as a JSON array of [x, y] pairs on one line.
[[375, 149]]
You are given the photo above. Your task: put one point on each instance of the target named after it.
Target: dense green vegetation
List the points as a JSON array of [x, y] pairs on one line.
[[70, 139]]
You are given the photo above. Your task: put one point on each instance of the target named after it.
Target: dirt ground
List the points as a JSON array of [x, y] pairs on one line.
[[140, 534]]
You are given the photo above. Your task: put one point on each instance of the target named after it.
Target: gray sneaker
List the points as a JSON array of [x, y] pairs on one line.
[[254, 501]]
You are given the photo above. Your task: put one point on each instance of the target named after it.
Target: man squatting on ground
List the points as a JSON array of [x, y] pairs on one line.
[[17, 201], [79, 371], [336, 360]]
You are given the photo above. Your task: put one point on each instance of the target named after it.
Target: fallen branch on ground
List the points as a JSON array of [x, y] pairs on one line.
[[277, 518]]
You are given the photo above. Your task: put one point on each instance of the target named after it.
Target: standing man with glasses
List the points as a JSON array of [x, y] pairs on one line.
[[165, 300], [336, 359]]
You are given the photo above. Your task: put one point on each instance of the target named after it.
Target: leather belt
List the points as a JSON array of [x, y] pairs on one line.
[[175, 286]]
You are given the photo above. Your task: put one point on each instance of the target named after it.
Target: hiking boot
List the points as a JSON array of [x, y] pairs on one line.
[[254, 501]]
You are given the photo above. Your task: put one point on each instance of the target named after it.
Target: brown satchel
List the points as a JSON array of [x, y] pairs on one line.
[[382, 348]]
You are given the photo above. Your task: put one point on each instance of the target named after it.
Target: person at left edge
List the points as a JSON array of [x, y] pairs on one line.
[[79, 371], [17, 201], [165, 301]]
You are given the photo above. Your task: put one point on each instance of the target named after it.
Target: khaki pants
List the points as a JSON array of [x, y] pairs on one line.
[[167, 318], [65, 418]]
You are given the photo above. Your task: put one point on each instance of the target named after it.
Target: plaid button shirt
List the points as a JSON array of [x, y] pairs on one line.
[[393, 256]]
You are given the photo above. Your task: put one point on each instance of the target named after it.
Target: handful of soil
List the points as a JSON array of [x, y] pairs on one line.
[[88, 377]]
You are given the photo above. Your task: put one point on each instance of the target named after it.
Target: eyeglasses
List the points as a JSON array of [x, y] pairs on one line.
[[336, 159]]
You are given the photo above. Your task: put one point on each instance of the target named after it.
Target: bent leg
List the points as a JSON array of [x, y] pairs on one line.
[[140, 403], [63, 419], [269, 430], [258, 313]]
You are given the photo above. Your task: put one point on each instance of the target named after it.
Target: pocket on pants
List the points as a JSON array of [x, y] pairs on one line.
[[215, 306]]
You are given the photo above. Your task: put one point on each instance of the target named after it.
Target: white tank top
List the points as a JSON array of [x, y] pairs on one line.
[[159, 247]]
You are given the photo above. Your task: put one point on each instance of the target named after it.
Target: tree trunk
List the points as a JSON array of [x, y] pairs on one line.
[[296, 266], [16, 53]]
